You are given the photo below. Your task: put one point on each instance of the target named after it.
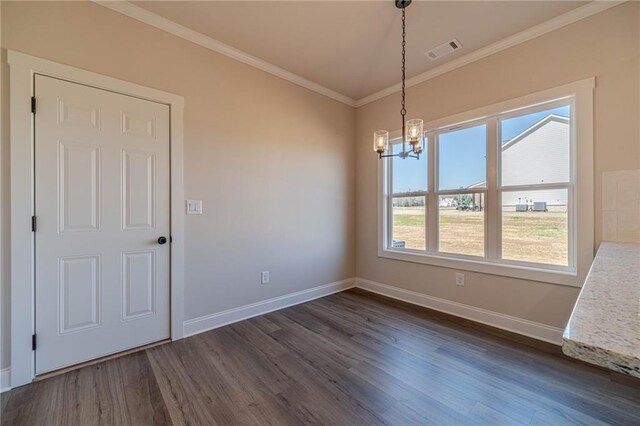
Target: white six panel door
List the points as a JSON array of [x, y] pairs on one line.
[[102, 202]]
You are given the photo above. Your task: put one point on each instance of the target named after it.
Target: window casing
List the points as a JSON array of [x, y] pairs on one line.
[[488, 253]]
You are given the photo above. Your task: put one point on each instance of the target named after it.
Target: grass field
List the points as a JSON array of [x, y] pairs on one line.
[[531, 236]]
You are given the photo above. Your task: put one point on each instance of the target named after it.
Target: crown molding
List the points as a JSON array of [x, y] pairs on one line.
[[565, 19], [131, 10], [126, 8]]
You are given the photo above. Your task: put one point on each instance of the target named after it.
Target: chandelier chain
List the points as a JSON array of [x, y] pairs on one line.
[[403, 111], [415, 128]]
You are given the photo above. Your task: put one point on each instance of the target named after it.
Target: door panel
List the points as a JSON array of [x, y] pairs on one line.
[[139, 284], [78, 184], [102, 201], [79, 287], [78, 114], [138, 125], [138, 189]]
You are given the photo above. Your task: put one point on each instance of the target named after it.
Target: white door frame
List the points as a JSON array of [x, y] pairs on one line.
[[22, 70]]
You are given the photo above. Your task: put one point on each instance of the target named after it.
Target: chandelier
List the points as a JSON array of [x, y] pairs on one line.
[[412, 130]]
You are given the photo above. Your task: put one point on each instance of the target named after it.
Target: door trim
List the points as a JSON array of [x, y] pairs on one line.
[[23, 68]]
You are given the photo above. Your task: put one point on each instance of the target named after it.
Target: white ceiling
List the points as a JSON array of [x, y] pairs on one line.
[[353, 48]]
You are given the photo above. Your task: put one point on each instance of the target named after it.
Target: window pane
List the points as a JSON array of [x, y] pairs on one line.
[[535, 147], [462, 158], [462, 224], [409, 174], [409, 216], [535, 226]]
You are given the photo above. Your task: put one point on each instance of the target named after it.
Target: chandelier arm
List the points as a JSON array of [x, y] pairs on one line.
[[400, 155]]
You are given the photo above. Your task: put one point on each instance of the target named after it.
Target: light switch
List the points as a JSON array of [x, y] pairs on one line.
[[194, 206]]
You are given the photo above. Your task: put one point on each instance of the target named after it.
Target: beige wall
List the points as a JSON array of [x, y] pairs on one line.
[[621, 206], [606, 46], [272, 162]]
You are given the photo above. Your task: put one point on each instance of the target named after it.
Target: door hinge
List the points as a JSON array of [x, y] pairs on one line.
[[33, 342], [34, 224], [170, 239], [33, 104]]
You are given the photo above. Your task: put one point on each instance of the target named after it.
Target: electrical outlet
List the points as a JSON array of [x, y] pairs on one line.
[[264, 277], [459, 279]]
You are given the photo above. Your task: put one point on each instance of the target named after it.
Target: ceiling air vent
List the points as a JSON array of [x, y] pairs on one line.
[[443, 50]]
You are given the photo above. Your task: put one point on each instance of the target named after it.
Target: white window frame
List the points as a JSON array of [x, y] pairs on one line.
[[579, 95]]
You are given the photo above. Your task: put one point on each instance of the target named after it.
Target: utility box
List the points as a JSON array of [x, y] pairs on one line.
[[540, 206], [398, 244]]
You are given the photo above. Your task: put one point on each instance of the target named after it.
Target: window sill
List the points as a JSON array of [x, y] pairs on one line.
[[562, 276]]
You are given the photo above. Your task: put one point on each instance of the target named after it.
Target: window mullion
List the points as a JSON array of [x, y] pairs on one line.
[[432, 203], [492, 211], [426, 196], [389, 202], [536, 187], [409, 194]]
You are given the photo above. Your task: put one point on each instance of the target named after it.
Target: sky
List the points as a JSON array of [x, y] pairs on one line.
[[462, 155]]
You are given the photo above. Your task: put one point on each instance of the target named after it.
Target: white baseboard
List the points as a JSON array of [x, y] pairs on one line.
[[494, 319], [505, 322], [209, 322], [5, 379]]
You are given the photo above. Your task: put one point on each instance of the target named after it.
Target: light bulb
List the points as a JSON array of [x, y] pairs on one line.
[[414, 131], [380, 141]]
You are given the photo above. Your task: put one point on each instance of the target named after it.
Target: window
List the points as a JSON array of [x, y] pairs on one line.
[[409, 223], [535, 231], [535, 184], [495, 190], [408, 202], [461, 224], [462, 181]]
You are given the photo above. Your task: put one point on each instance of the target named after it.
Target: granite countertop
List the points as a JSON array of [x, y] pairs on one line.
[[604, 328]]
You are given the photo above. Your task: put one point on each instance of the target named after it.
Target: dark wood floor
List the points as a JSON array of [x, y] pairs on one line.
[[352, 358]]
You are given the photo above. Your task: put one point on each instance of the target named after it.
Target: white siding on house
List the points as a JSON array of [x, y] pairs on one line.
[[538, 155]]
